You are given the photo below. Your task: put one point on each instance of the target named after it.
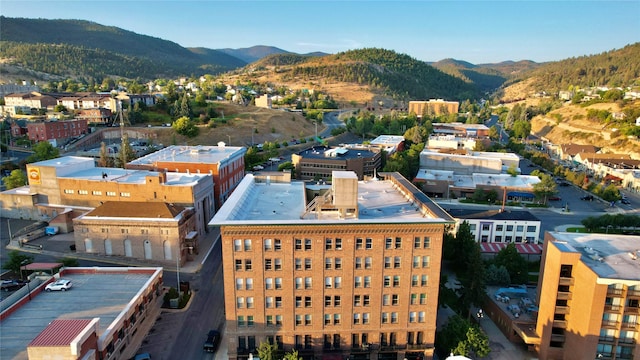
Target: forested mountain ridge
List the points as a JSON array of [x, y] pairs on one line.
[[87, 38]]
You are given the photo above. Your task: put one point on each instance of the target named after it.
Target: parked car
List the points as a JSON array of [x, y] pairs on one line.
[[143, 356], [587, 197], [212, 342], [564, 183], [10, 285], [625, 201], [258, 167], [555, 198], [60, 285]]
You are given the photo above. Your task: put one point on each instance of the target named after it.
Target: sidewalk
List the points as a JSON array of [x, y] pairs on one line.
[[59, 246]]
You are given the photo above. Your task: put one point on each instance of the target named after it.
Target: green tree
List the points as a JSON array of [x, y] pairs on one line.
[[267, 351], [498, 275], [16, 179], [545, 188], [293, 355], [105, 159], [16, 261], [515, 264], [521, 129], [460, 337], [43, 151], [70, 262], [184, 126], [126, 153], [512, 171]]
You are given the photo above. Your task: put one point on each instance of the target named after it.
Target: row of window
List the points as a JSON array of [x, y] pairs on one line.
[[96, 193], [330, 244], [333, 319], [501, 227], [332, 282], [126, 231]]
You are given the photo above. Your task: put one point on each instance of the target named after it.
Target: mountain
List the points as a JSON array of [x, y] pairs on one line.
[[103, 44], [486, 79], [255, 53]]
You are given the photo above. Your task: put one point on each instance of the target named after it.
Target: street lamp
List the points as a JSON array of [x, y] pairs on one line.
[[24, 264]]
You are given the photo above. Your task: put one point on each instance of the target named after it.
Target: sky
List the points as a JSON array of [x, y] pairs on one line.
[[474, 30]]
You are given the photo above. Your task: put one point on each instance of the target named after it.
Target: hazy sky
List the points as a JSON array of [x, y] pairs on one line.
[[475, 31]]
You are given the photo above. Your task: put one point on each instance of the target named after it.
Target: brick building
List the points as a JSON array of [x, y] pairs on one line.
[[352, 272], [433, 106], [56, 130], [320, 161], [224, 163]]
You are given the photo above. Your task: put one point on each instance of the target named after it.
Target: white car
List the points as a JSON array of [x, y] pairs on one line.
[[60, 285], [258, 167]]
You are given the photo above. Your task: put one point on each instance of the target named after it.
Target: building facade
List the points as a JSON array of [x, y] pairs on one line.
[[589, 295], [224, 163], [320, 161], [56, 130], [353, 272], [434, 107], [495, 226]]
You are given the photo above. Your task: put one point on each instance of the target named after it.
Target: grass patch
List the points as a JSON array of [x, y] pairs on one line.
[[577, 230]]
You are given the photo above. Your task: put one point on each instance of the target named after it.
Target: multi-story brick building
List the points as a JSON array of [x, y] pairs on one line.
[[352, 272], [320, 161], [589, 298], [224, 163], [433, 106], [56, 130]]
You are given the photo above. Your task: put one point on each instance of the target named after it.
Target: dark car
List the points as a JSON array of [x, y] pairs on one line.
[[10, 285], [564, 183], [587, 197], [213, 340], [555, 198], [625, 201]]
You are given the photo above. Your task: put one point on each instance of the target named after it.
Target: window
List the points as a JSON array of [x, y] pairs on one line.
[[239, 302], [416, 262], [472, 227], [69, 191], [365, 300], [338, 244], [328, 282], [327, 319], [327, 301], [509, 227], [307, 301], [298, 282], [398, 243], [421, 316], [416, 242], [499, 227], [267, 264], [357, 300], [387, 262], [298, 301], [241, 321], [338, 263], [367, 281], [367, 262], [298, 264], [425, 261], [307, 283], [356, 318], [423, 299], [394, 317], [84, 192], [250, 303], [298, 244], [278, 320], [110, 193], [269, 320], [328, 244], [278, 283], [238, 265], [519, 228], [307, 319], [412, 317], [358, 243], [247, 244], [278, 264], [237, 245], [508, 238], [396, 281], [337, 282], [414, 299], [396, 262], [424, 280], [277, 244], [239, 284], [267, 245], [327, 263], [385, 318], [531, 228], [247, 265], [268, 283], [336, 319], [426, 242], [307, 244], [498, 238], [336, 300], [414, 280], [307, 264], [268, 302], [278, 301], [357, 282], [386, 281], [486, 227], [388, 242], [386, 299], [369, 244]]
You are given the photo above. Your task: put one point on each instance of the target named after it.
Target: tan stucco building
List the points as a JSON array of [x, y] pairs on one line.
[[433, 106]]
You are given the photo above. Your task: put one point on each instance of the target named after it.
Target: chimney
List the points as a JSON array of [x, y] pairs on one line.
[[162, 177]]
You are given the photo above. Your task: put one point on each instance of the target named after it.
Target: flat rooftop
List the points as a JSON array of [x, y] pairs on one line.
[[99, 294], [342, 153], [379, 201], [608, 255], [200, 154], [387, 140], [125, 176], [471, 181], [64, 161]]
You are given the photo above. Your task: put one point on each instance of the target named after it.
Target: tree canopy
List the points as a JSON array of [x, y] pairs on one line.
[[43, 151]]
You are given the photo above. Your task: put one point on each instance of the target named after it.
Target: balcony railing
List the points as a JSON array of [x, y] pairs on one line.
[[607, 339], [392, 347], [560, 324], [612, 308], [565, 281], [627, 340], [632, 310], [630, 325], [609, 323], [557, 337], [418, 346], [614, 291], [633, 293], [561, 310], [563, 295]]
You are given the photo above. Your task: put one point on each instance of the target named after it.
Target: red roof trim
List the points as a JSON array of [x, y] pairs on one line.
[[60, 332]]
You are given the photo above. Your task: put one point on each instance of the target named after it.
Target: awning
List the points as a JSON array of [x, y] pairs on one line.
[[612, 178], [521, 194], [524, 249]]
